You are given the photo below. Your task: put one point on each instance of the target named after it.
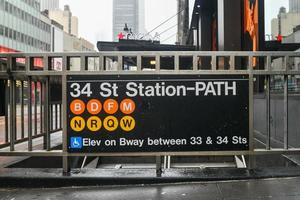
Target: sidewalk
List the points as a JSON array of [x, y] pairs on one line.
[[275, 189]]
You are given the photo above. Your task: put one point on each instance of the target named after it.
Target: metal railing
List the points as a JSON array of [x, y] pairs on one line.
[[46, 69]]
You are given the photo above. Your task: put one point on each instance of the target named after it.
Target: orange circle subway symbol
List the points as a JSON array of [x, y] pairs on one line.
[[127, 106], [111, 106], [94, 107], [77, 107]]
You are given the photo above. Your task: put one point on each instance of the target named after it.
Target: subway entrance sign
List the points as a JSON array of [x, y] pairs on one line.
[[157, 113]]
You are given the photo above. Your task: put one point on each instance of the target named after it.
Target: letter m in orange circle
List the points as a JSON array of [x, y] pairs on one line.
[[127, 106]]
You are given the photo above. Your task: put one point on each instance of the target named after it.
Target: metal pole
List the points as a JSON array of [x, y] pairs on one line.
[[66, 167], [56, 116], [6, 111], [268, 114], [46, 116], [22, 110], [12, 115], [35, 108], [29, 114], [50, 107], [286, 113], [158, 166], [251, 114], [41, 108]]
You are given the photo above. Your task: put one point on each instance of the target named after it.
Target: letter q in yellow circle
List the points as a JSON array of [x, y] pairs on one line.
[[94, 124], [127, 123], [77, 124], [111, 123]]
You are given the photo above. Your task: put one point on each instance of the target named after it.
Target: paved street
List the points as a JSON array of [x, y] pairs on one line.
[[286, 189]]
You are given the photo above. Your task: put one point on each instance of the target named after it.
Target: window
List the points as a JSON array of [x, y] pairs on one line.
[[6, 6], [1, 30], [14, 35], [10, 8], [1, 4], [10, 33], [6, 32]]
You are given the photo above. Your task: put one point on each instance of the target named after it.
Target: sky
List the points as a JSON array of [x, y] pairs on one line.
[[95, 17]]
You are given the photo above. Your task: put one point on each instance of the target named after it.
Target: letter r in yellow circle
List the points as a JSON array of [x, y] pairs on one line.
[[110, 123], [127, 123], [94, 124], [77, 124]]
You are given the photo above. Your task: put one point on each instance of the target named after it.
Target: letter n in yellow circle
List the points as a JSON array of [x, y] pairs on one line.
[[110, 123], [127, 123], [94, 124], [77, 124]]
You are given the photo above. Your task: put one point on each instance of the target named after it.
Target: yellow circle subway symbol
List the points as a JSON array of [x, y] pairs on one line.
[[77, 124], [94, 124], [127, 123], [110, 123]]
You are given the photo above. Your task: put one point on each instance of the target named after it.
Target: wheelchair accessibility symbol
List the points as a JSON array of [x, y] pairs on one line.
[[76, 142]]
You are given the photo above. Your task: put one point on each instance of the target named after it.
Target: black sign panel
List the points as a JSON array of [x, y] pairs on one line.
[[157, 113]]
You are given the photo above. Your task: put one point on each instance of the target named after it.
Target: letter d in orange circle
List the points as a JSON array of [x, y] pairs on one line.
[[94, 107]]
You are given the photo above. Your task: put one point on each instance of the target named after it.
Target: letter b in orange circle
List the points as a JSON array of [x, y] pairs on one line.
[[94, 107], [77, 107], [127, 106]]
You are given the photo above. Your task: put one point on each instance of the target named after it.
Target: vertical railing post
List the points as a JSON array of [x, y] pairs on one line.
[[139, 62], [214, 62], [120, 62], [157, 63], [29, 113], [66, 167], [195, 62], [232, 63], [41, 108], [46, 114], [286, 106], [35, 108], [176, 62], [22, 109], [268, 104], [268, 113], [12, 123], [158, 166], [251, 164], [6, 111]]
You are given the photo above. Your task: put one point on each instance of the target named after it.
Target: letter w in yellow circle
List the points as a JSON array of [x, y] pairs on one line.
[[127, 123]]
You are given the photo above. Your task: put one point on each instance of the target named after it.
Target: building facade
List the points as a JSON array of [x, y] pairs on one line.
[[65, 18], [23, 27], [74, 44], [286, 21], [294, 6], [49, 5], [130, 12], [57, 37]]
